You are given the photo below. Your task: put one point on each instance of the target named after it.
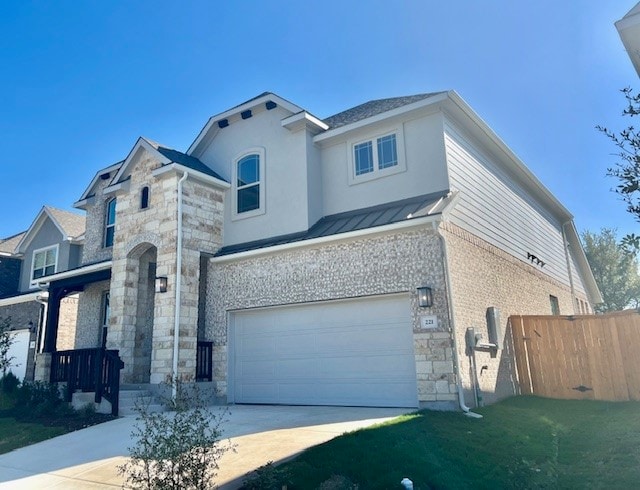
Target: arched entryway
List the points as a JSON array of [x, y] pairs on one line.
[[141, 273]]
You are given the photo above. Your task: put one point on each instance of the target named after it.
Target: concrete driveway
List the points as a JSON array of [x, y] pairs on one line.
[[88, 458]]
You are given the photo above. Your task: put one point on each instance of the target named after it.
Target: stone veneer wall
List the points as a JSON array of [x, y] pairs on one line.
[[482, 276], [137, 231], [93, 249], [67, 323], [89, 324], [373, 265]]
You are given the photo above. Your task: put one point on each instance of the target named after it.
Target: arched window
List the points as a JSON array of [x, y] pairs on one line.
[[110, 223], [144, 198], [248, 182]]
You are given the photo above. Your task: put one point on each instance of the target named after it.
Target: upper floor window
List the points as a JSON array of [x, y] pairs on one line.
[[110, 223], [369, 157], [144, 198], [249, 184], [44, 263], [376, 157]]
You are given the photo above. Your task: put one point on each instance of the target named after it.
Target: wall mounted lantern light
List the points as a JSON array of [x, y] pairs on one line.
[[161, 284], [425, 297]]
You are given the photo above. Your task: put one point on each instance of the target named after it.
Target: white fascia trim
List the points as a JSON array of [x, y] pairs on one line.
[[340, 237], [83, 203], [141, 143], [35, 227], [514, 162], [629, 20], [577, 252], [237, 110], [44, 282], [302, 119], [332, 133], [121, 186], [84, 199], [176, 167], [23, 298]]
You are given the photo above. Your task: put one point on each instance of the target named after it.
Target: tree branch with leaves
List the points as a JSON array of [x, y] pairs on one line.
[[627, 168]]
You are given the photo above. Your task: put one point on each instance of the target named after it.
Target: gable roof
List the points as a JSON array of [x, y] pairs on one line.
[[8, 245], [359, 219], [102, 173], [166, 156], [70, 225], [373, 108], [210, 127]]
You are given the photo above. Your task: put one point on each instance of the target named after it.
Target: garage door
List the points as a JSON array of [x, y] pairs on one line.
[[351, 353]]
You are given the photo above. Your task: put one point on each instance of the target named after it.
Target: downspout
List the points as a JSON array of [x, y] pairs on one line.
[[43, 325], [569, 269], [176, 324], [447, 278]]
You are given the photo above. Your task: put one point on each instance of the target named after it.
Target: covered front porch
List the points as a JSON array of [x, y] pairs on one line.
[[110, 350]]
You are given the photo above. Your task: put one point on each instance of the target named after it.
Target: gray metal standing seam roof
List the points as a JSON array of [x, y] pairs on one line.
[[373, 108], [383, 214]]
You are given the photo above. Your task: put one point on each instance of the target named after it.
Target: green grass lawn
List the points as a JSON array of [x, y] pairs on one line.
[[24, 425], [522, 442]]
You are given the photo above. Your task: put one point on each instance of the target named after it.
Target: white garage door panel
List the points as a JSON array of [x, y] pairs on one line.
[[356, 352]]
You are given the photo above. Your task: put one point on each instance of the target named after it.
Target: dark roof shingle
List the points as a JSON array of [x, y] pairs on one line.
[[373, 108], [183, 159]]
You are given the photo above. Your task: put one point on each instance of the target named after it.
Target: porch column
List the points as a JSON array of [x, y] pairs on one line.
[[53, 316]]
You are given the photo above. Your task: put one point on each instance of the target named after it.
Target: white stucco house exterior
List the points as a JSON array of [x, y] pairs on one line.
[[292, 248]]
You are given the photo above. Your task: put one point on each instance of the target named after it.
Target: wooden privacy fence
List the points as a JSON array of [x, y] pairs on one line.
[[583, 357]]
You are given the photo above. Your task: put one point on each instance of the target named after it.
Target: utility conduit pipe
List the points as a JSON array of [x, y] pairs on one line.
[[176, 324], [456, 363]]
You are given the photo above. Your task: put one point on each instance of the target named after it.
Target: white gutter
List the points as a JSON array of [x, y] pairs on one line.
[[100, 266], [400, 225], [43, 328], [23, 298], [176, 325], [447, 277]]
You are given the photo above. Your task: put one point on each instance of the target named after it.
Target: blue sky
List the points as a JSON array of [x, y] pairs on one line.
[[80, 81]]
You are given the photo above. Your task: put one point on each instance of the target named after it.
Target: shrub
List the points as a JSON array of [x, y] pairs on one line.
[[42, 400], [267, 477], [178, 450], [9, 383]]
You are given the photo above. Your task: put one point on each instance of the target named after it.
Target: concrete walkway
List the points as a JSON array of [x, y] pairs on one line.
[[88, 458]]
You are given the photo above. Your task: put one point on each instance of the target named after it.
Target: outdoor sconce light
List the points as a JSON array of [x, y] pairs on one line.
[[425, 297], [161, 284], [31, 327]]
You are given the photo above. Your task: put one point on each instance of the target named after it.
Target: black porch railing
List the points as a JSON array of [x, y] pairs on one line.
[[204, 361], [96, 370]]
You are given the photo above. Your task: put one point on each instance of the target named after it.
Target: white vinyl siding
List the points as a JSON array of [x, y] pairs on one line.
[[497, 209]]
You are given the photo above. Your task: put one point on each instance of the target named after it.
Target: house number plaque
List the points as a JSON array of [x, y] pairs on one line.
[[429, 321]]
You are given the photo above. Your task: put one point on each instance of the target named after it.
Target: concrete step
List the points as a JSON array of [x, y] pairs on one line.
[[130, 398], [127, 402]]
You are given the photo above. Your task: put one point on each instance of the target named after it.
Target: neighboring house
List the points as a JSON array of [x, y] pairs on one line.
[[629, 29], [53, 243], [10, 264], [296, 246]]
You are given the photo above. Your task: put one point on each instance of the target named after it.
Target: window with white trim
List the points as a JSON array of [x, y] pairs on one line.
[[44, 263], [376, 157], [248, 182], [110, 223]]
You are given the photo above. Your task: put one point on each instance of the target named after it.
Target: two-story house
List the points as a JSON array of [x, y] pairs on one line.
[[53, 243], [335, 261]]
